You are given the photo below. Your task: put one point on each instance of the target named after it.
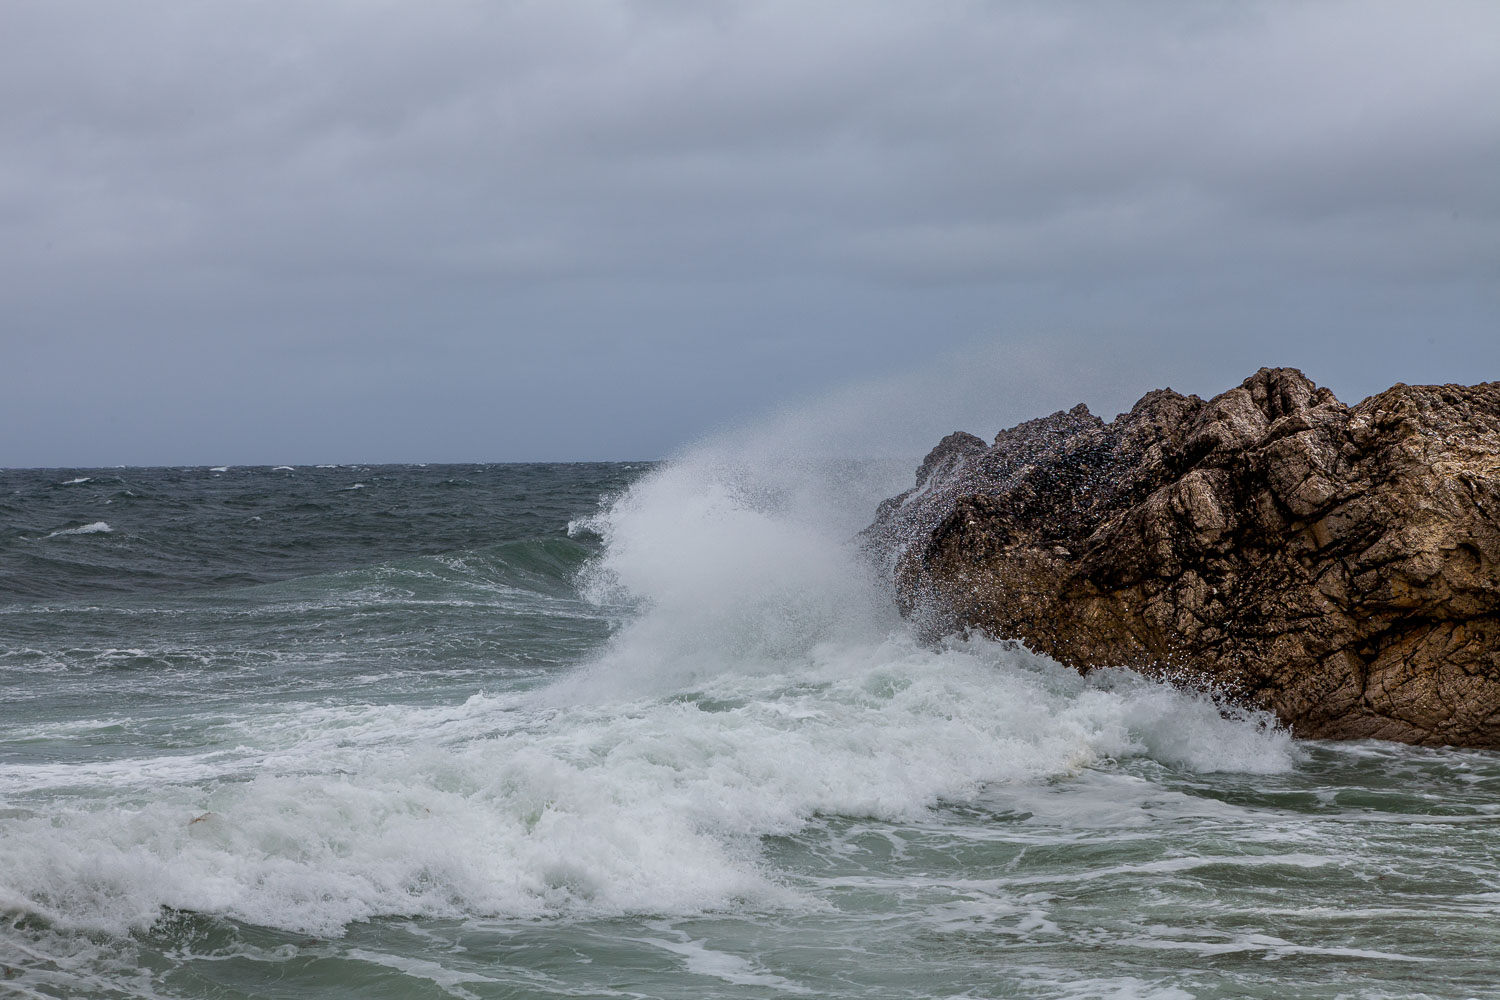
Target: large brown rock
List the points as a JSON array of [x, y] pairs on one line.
[[1337, 565]]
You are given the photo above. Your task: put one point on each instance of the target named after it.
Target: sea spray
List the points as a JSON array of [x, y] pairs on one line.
[[722, 579]]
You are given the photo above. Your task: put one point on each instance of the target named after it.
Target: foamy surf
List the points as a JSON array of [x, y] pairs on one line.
[[519, 807]]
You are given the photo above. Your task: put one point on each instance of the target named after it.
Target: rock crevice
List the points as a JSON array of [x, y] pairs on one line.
[[1337, 565]]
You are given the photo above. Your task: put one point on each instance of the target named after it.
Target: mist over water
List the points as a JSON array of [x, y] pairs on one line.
[[652, 731]]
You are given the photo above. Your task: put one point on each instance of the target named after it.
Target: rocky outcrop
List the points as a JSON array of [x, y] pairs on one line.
[[1337, 565]]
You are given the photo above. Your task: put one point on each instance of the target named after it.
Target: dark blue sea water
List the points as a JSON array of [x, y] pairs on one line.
[[634, 730]]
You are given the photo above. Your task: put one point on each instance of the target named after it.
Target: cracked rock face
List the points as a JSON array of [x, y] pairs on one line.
[[1337, 565]]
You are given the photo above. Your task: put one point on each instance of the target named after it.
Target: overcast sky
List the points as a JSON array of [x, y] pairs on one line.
[[376, 231]]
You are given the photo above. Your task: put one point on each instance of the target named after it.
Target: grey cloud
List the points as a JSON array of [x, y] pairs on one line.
[[690, 211]]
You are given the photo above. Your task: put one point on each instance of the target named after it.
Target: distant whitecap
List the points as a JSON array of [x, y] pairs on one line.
[[75, 482], [97, 528]]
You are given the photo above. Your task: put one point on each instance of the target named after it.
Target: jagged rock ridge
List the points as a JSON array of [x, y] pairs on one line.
[[1337, 565]]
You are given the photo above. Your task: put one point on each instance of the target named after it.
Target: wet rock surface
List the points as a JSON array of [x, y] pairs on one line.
[[1337, 565]]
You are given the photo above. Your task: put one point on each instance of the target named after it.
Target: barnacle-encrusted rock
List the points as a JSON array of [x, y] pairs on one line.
[[1337, 565]]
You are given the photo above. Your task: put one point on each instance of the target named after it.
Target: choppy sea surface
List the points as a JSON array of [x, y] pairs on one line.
[[631, 731]]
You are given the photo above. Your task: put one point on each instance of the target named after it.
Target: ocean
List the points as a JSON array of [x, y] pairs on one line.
[[648, 730]]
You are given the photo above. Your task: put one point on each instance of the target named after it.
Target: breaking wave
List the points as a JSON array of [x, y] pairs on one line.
[[758, 683]]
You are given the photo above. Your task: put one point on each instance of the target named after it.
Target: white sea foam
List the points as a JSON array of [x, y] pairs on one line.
[[220, 468], [96, 528], [701, 960], [516, 807], [75, 482]]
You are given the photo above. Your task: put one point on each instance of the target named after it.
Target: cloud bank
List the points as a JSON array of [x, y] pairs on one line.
[[522, 230]]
